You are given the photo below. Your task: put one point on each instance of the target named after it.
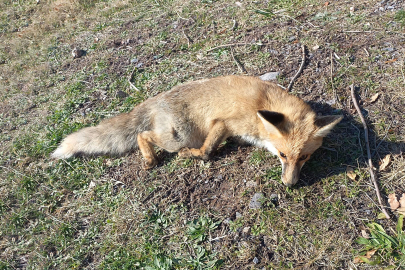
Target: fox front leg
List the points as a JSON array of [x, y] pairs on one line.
[[217, 134]]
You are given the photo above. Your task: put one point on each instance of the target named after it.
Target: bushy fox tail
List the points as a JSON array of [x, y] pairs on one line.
[[113, 136]]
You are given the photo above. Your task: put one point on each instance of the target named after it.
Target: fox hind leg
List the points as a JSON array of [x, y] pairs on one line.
[[146, 140], [217, 134]]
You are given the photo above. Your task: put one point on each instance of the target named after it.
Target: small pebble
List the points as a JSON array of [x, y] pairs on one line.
[[389, 49], [121, 94], [274, 198], [251, 184], [246, 230], [256, 201], [77, 53], [269, 76]]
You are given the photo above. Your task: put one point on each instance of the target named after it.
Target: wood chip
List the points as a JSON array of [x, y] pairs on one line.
[[374, 98]]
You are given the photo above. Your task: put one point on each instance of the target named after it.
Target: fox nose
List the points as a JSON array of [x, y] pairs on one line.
[[290, 175], [290, 178], [288, 184]]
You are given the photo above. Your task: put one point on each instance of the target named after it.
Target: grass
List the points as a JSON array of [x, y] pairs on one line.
[[109, 213], [382, 247]]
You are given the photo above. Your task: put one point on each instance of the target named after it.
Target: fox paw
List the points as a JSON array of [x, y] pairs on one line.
[[194, 153], [185, 153], [150, 163]]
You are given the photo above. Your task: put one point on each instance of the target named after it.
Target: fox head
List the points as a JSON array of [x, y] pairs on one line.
[[295, 141]]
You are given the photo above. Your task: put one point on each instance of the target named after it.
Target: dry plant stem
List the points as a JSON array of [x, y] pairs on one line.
[[189, 41], [240, 66], [299, 71], [331, 80], [370, 163], [130, 78], [232, 44]]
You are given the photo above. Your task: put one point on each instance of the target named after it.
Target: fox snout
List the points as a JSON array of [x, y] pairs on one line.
[[291, 173]]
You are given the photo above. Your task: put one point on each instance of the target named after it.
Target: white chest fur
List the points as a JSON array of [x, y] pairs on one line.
[[261, 143]]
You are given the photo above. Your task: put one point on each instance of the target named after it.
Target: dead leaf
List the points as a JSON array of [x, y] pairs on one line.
[[370, 253], [374, 98], [350, 173], [326, 4], [401, 211], [385, 162], [402, 200], [382, 216], [392, 200], [365, 234], [391, 61], [357, 260]]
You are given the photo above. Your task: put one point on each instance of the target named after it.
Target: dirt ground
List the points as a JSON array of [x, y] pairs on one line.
[[111, 213]]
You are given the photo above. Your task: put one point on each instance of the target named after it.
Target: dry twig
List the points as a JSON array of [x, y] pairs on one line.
[[370, 163], [300, 70], [189, 40], [233, 44], [331, 80], [130, 79], [240, 66]]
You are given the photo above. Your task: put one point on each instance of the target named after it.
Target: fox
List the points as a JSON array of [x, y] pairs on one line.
[[194, 118]]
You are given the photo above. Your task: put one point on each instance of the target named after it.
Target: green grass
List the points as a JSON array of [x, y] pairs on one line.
[[386, 247], [400, 16], [108, 213]]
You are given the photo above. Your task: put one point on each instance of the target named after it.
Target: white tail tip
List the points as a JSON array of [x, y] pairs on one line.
[[62, 153]]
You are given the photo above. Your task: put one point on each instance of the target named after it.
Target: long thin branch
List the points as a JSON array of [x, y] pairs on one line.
[[370, 163], [299, 71]]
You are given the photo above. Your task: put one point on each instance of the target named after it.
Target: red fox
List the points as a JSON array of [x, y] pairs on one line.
[[194, 118]]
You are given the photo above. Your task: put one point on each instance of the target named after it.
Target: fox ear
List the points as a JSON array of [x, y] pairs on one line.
[[271, 120], [326, 123]]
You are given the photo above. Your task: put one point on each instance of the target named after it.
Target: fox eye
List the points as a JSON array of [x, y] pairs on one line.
[[283, 155], [303, 157]]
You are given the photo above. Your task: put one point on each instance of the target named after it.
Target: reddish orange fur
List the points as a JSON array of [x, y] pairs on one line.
[[194, 118]]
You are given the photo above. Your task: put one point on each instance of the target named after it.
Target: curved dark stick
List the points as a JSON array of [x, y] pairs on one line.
[[370, 163], [299, 71]]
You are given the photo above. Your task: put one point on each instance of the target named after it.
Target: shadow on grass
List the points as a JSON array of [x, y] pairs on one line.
[[345, 147]]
